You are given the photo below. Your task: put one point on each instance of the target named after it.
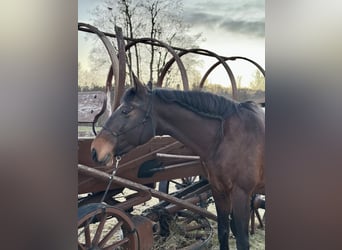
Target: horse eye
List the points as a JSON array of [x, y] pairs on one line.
[[126, 110]]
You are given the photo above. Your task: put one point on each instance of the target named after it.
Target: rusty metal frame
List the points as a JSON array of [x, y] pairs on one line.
[[109, 48], [176, 57], [208, 53], [226, 59]]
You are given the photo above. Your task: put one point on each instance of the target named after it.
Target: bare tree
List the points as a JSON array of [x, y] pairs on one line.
[[155, 9], [156, 19], [129, 10]]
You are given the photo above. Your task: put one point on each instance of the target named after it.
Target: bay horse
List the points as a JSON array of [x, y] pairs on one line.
[[229, 136]]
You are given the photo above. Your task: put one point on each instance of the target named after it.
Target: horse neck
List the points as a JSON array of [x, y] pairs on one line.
[[195, 131]]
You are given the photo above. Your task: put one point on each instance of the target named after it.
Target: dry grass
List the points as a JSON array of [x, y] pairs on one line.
[[177, 240]]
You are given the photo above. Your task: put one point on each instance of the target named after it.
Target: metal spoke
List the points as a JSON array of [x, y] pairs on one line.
[[87, 236], [177, 183], [110, 234], [99, 229]]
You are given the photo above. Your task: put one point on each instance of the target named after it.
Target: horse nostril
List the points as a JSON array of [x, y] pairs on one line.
[[94, 155]]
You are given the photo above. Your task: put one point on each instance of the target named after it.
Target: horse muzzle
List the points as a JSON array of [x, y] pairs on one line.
[[101, 152]]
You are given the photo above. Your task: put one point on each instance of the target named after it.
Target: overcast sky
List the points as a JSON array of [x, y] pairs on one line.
[[229, 28], [238, 16]]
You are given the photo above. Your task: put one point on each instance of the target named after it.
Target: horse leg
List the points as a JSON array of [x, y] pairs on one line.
[[232, 225], [222, 204], [240, 217]]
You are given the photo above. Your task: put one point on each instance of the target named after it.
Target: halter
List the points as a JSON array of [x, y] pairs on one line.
[[142, 122]]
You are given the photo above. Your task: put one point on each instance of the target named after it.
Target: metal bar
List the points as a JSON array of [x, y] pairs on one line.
[[199, 190], [185, 192], [120, 84], [201, 193], [134, 201], [188, 157], [207, 52], [139, 187], [183, 204], [173, 47], [172, 208], [107, 44], [173, 166]]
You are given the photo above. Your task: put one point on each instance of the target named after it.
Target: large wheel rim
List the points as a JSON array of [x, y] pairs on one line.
[[105, 227]]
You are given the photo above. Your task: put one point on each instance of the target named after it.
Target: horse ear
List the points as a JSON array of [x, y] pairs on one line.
[[138, 86]]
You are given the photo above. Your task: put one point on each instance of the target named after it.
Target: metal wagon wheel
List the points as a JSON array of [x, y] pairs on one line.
[[104, 227]]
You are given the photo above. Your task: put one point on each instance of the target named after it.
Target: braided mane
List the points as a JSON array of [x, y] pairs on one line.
[[202, 103]]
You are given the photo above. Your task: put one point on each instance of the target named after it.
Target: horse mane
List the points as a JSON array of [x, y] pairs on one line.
[[202, 103], [250, 105]]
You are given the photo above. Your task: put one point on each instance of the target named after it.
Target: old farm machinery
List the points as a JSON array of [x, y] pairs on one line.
[[111, 213]]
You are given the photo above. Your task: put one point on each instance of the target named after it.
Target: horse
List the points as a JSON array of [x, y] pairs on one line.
[[229, 137]]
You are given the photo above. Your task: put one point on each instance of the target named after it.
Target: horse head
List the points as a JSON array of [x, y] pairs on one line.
[[130, 125]]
